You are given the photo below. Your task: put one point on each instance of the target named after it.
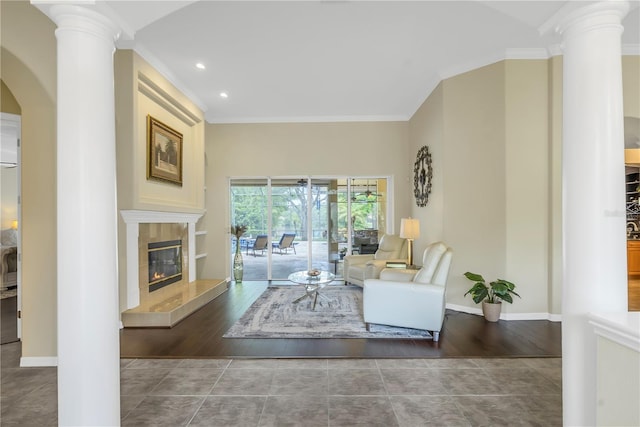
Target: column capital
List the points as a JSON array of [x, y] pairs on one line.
[[575, 18], [77, 16]]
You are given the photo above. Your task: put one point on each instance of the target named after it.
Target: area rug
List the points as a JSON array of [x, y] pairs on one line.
[[274, 315]]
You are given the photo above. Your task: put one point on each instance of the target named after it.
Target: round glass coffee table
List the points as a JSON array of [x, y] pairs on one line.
[[312, 284]]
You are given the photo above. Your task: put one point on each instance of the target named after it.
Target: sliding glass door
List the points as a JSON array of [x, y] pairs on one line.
[[319, 216], [249, 206], [308, 222], [289, 213]]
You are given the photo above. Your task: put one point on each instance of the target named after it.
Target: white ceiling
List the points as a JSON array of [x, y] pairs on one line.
[[332, 60]]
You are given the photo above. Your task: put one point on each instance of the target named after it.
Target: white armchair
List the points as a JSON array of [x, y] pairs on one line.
[[357, 268], [399, 298]]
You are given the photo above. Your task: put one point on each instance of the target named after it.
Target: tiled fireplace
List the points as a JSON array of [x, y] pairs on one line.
[[163, 259], [145, 228], [161, 287]]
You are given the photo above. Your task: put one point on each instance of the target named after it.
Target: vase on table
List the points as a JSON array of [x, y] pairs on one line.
[[238, 266]]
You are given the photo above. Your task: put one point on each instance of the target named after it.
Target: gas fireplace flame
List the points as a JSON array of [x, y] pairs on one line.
[[157, 276]]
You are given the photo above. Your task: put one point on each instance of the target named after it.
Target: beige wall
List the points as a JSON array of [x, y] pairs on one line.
[[474, 214], [142, 91], [426, 128], [555, 185], [527, 183], [631, 85], [8, 103], [29, 71], [296, 149], [496, 138], [488, 130]]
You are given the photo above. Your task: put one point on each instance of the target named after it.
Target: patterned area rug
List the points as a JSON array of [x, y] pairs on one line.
[[274, 315]]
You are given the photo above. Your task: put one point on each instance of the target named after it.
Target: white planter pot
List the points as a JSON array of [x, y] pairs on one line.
[[491, 311]]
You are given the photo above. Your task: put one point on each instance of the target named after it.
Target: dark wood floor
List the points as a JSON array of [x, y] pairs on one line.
[[463, 335]]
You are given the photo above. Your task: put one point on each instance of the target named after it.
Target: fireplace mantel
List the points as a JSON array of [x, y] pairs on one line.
[[133, 219], [155, 217]]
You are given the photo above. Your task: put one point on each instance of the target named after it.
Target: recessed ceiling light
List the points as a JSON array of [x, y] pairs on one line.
[[224, 95], [200, 65]]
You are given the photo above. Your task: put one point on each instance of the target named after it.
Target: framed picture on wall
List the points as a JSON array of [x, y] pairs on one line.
[[164, 152]]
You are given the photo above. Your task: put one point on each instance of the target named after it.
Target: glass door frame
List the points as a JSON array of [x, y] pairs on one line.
[[310, 179]]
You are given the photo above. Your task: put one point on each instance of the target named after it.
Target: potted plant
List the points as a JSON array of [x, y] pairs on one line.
[[490, 295], [343, 252]]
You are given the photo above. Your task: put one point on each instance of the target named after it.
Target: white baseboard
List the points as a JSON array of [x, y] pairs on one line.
[[508, 316], [555, 317], [464, 309], [32, 362], [525, 316]]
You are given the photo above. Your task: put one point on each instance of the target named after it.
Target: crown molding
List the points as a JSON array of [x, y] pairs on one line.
[[212, 119], [555, 50], [161, 68], [527, 53], [161, 97]]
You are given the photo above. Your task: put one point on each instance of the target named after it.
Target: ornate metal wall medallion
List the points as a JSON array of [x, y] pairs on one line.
[[422, 174]]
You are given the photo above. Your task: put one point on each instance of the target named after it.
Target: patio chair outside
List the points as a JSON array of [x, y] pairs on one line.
[[260, 244], [285, 243]]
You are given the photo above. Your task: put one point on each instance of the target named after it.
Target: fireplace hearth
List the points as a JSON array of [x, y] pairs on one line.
[[165, 263], [144, 307]]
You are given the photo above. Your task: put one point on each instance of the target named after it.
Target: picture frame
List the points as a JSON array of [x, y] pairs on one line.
[[164, 152]]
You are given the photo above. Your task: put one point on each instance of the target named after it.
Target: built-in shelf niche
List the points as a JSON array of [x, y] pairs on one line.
[[200, 255]]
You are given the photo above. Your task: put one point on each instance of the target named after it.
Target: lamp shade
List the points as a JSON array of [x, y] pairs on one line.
[[409, 228], [14, 224]]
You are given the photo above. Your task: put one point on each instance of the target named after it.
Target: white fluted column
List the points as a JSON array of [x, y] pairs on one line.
[[88, 318], [595, 274]]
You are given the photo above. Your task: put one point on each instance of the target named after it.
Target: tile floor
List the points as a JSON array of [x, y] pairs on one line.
[[307, 392]]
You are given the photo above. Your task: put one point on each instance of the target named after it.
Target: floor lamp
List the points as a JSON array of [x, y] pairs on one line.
[[410, 230]]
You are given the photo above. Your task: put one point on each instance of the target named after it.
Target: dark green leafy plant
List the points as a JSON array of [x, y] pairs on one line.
[[498, 290]]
